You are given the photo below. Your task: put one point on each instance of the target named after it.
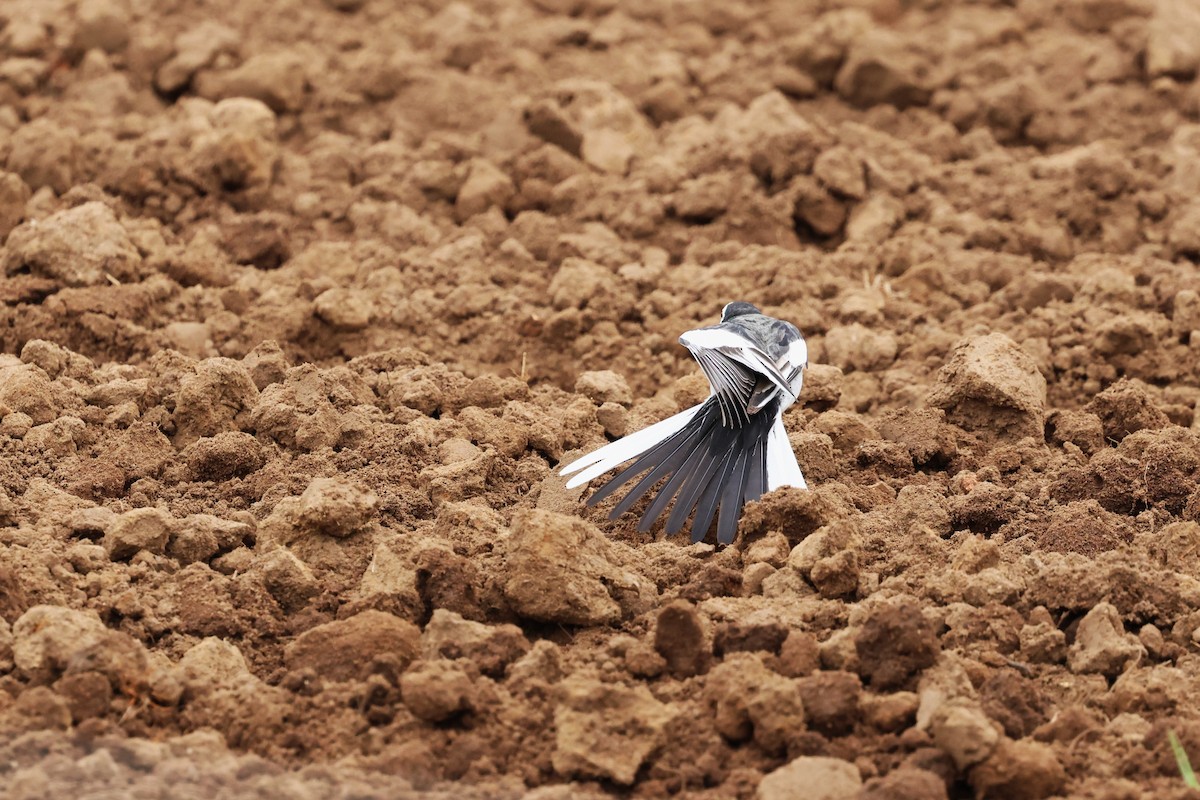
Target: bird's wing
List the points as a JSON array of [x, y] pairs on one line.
[[743, 377], [738, 348], [732, 384], [792, 365]]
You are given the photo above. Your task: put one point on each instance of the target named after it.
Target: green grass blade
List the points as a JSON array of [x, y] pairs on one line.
[[1181, 759]]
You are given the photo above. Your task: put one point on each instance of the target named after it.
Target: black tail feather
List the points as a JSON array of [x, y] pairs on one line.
[[702, 477], [669, 465], [731, 499], [706, 509], [687, 472], [708, 466], [756, 476], [652, 457]]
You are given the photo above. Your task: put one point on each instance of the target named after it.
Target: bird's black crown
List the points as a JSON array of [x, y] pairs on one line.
[[738, 308]]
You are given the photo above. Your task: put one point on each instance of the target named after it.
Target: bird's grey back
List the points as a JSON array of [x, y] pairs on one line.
[[774, 336]]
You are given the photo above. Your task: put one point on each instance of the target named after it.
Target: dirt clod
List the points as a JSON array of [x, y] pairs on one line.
[[1126, 407], [146, 529], [831, 701], [561, 569], [811, 777], [604, 386], [605, 730], [46, 638], [1102, 645], [679, 638], [990, 385], [25, 389], [288, 579], [895, 643], [334, 507], [229, 454], [751, 701], [1022, 770], [82, 246], [436, 690], [490, 647], [344, 650], [964, 732], [1084, 527]]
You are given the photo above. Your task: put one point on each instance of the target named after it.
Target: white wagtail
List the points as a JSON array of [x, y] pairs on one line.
[[728, 450]]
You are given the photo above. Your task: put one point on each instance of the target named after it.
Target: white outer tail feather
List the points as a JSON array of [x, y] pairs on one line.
[[782, 469], [601, 461]]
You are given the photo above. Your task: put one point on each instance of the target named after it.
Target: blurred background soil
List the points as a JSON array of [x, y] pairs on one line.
[[302, 302]]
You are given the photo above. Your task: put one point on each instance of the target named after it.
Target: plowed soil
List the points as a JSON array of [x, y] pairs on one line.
[[302, 304]]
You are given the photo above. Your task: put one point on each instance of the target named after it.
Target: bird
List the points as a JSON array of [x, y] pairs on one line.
[[722, 453]]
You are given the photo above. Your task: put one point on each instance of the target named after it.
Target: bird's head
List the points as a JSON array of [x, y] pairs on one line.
[[737, 308]]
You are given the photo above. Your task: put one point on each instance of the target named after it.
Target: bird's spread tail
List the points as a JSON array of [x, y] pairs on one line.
[[710, 469]]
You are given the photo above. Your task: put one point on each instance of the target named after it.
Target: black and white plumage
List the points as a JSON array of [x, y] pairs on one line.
[[730, 449]]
